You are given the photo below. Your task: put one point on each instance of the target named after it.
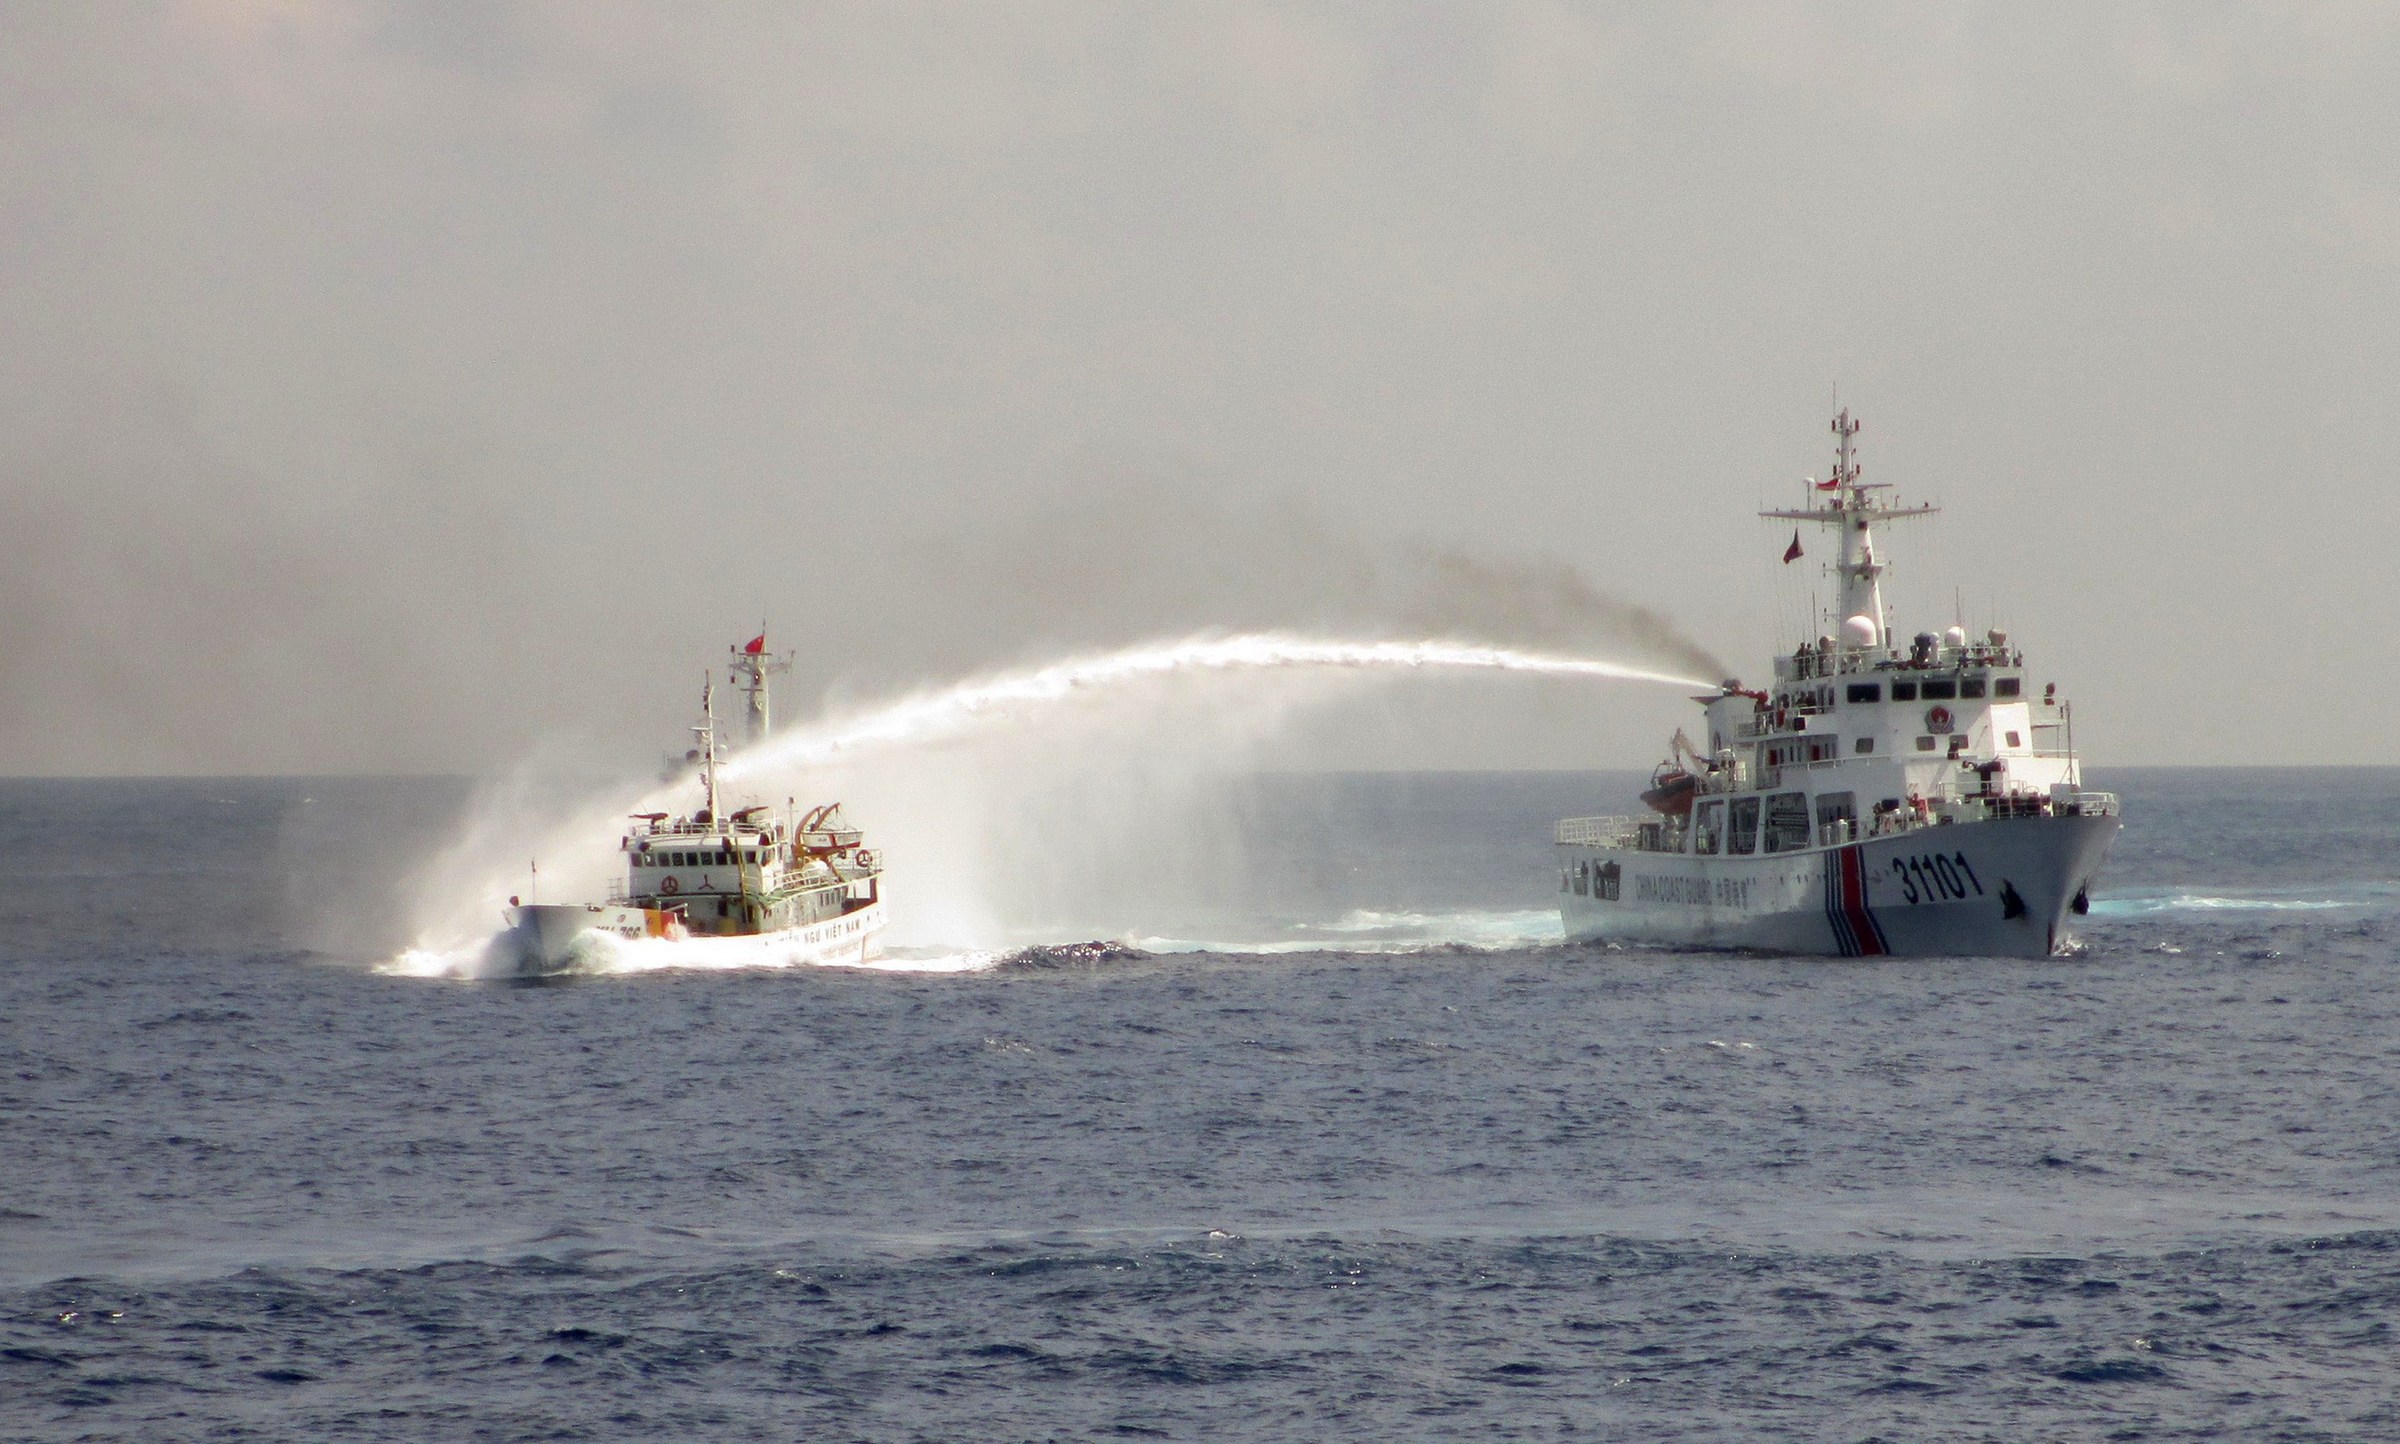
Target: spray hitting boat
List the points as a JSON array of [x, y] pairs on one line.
[[1881, 799], [801, 880]]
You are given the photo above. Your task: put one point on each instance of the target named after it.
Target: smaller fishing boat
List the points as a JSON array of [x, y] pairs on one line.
[[802, 879]]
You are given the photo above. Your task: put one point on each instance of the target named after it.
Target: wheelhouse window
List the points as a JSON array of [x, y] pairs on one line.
[[2007, 686], [1708, 827], [1787, 822], [1938, 690], [1741, 830], [1970, 686], [1866, 691], [1904, 691]]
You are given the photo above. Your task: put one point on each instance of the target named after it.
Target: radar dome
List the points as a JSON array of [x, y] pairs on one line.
[[1956, 636], [1860, 631]]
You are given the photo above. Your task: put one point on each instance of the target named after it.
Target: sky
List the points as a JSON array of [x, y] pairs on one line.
[[428, 387]]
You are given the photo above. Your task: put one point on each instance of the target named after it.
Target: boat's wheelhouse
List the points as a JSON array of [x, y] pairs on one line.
[[743, 875], [746, 871]]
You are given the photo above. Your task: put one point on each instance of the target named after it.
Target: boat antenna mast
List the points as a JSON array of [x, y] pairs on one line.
[[1843, 503], [752, 665], [706, 735]]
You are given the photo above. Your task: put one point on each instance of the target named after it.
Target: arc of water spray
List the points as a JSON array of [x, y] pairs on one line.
[[935, 714]]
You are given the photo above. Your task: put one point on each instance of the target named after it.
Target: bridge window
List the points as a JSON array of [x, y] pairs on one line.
[[1970, 686], [1941, 690], [1741, 833], [2007, 686], [1904, 691], [1787, 822], [1866, 691]]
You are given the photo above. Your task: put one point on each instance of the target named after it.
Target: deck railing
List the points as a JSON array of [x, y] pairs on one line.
[[1622, 833]]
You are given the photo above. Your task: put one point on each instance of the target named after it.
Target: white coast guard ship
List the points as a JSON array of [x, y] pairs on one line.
[[799, 879], [1909, 799]]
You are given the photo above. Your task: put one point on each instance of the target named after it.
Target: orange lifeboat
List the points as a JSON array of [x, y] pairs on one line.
[[1671, 790]]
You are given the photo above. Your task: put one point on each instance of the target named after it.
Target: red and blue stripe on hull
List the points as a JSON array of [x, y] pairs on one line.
[[1855, 930]]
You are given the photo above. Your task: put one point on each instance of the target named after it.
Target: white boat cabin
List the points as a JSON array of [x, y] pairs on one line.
[[745, 876]]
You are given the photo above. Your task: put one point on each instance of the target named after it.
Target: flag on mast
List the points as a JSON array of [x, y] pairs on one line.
[[758, 643], [1792, 553]]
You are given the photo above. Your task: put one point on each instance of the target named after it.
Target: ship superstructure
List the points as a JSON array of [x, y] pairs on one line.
[[801, 877], [1883, 796]]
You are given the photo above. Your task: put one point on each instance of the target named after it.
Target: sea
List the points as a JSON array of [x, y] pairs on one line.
[[1359, 1149]]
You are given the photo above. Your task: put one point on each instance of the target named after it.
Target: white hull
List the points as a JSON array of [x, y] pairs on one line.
[[2003, 887], [548, 938]]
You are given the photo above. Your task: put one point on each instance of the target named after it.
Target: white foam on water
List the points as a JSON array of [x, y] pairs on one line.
[[477, 959], [1360, 931], [1367, 931], [652, 955], [2206, 903], [603, 954]]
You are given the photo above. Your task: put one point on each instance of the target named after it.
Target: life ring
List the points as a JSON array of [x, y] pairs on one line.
[[864, 857], [669, 885], [1938, 719]]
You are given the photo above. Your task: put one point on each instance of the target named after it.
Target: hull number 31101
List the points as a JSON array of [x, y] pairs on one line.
[[1932, 877]]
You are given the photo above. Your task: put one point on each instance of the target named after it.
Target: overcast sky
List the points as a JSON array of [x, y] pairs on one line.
[[417, 387]]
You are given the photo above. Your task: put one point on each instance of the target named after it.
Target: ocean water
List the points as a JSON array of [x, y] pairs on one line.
[[1352, 1148]]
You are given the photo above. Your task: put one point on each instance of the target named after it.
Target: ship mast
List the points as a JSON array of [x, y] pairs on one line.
[[1852, 513], [706, 734], [751, 666]]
